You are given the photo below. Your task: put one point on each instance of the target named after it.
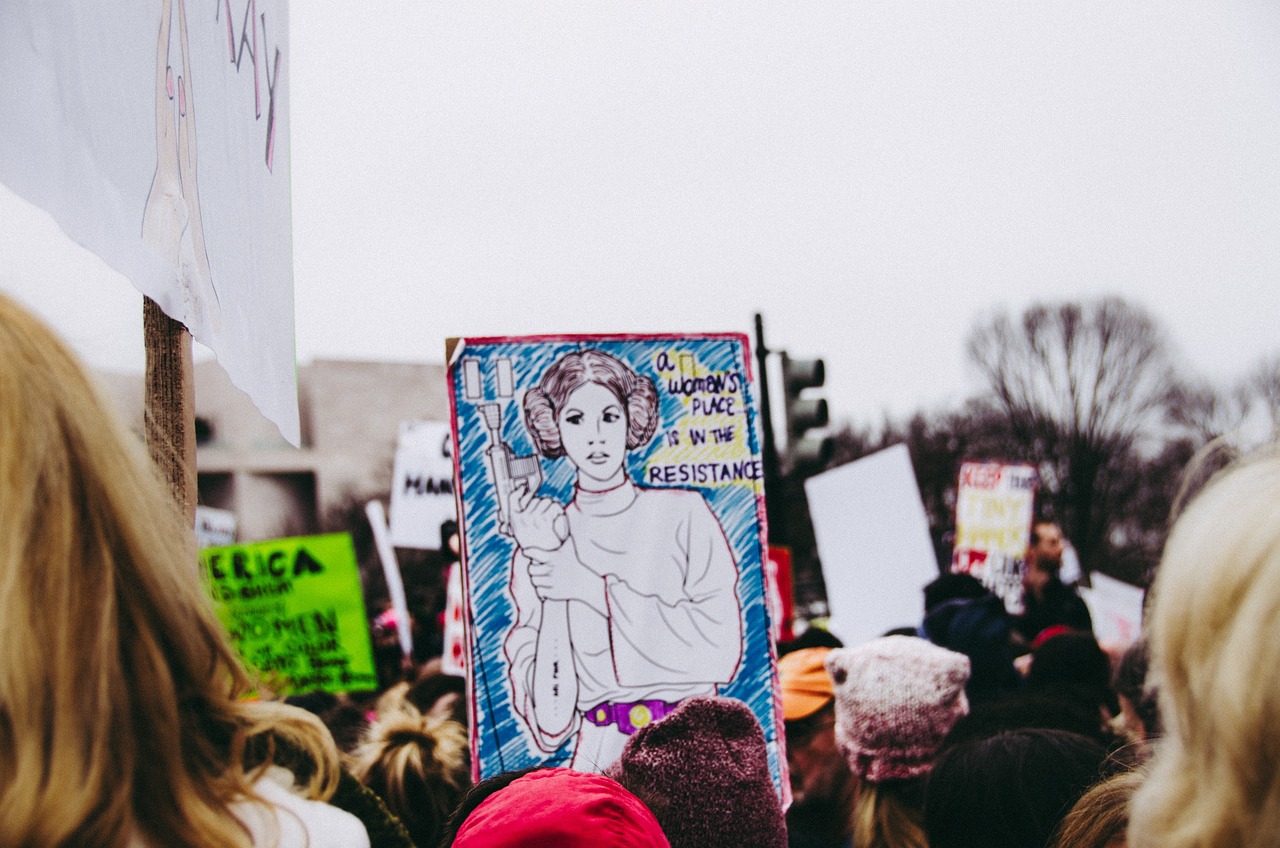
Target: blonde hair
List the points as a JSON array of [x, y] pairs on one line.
[[1215, 640], [1101, 816], [120, 697], [418, 766], [888, 815]]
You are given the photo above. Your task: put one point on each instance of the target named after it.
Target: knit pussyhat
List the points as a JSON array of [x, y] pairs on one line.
[[561, 807], [896, 699], [704, 771]]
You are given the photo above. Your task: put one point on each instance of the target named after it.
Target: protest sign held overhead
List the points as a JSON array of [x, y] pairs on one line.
[[295, 611], [422, 485], [612, 522], [994, 505], [157, 136], [873, 538]]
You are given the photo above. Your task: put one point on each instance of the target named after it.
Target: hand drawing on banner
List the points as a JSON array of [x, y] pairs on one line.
[[590, 577], [171, 223]]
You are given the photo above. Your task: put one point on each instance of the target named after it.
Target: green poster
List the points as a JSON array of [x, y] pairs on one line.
[[295, 611]]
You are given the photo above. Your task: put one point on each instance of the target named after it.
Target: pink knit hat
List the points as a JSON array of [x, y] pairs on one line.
[[896, 699]]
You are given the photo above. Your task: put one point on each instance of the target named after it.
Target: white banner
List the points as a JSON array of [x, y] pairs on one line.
[[157, 135], [214, 527], [422, 484], [1116, 610], [873, 538]]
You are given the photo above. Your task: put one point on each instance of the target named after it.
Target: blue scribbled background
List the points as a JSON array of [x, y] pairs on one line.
[[500, 739]]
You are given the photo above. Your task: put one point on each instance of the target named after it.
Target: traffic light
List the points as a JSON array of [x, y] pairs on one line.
[[805, 452]]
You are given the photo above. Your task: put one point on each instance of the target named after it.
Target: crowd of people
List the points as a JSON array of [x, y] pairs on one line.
[[125, 716]]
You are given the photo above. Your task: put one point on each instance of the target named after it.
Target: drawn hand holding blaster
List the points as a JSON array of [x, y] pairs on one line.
[[541, 529]]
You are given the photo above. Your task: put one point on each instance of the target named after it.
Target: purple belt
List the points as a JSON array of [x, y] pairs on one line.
[[629, 716]]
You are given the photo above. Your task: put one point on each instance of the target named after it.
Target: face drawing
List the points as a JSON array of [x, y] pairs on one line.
[[593, 430]]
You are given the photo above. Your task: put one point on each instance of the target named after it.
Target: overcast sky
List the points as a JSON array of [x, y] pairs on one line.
[[870, 176]]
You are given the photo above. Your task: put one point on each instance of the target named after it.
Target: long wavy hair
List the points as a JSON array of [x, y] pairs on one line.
[[120, 697], [1215, 642]]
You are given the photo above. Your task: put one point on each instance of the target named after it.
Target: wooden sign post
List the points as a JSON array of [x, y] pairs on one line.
[[170, 405]]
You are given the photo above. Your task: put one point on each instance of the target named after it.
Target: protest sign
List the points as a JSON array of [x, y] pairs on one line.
[[295, 611], [157, 136], [1116, 610], [453, 659], [994, 504], [612, 521], [422, 484], [214, 527], [873, 539], [780, 590]]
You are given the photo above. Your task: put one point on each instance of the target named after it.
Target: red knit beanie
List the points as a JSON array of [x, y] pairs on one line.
[[897, 697], [558, 807]]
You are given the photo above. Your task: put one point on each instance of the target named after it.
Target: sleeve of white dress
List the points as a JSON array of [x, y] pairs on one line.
[[521, 648], [695, 635]]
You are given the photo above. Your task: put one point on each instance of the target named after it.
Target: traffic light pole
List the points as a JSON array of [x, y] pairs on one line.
[[772, 464]]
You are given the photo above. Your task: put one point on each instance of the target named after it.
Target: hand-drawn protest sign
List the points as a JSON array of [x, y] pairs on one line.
[[422, 484], [612, 514], [157, 135], [295, 611], [994, 504]]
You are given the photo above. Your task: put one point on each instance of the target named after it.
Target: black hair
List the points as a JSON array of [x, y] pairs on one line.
[[814, 637], [477, 795], [1010, 790], [949, 587], [1130, 680], [1073, 663]]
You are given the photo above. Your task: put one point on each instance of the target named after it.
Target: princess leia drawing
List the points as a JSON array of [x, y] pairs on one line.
[[625, 597]]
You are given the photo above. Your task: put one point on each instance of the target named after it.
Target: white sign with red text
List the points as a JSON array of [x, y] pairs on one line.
[[994, 506]]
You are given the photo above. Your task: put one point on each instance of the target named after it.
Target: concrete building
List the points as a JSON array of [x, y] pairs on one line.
[[350, 415]]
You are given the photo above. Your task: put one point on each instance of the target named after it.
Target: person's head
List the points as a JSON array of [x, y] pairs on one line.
[[962, 615], [418, 766], [1010, 790], [812, 637], [897, 697], [440, 696], [553, 806], [1139, 718], [704, 772], [1073, 664], [592, 408], [951, 587], [1214, 629], [1101, 817], [120, 695], [1047, 545], [818, 770]]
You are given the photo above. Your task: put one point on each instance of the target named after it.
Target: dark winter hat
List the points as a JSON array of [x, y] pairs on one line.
[[704, 771], [896, 699]]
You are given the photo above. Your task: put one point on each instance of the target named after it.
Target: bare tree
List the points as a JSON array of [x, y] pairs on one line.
[[1081, 385], [1263, 387], [1205, 413]]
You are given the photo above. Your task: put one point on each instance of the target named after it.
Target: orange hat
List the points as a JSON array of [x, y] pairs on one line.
[[806, 686]]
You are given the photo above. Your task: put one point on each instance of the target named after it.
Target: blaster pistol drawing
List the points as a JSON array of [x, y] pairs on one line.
[[509, 472]]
